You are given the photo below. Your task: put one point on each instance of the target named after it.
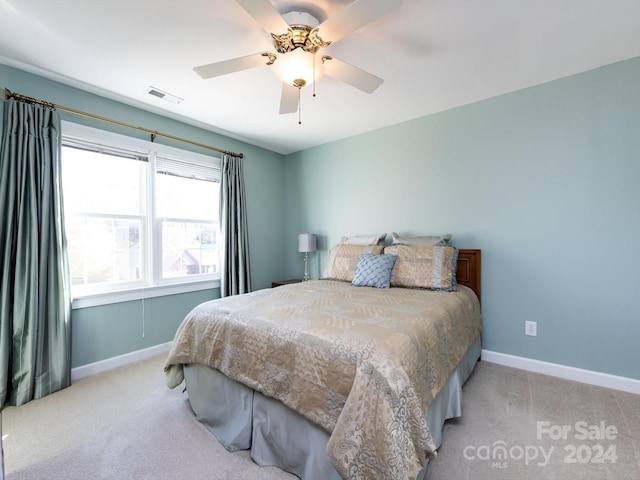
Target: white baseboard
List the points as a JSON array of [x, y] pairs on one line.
[[591, 377], [119, 361]]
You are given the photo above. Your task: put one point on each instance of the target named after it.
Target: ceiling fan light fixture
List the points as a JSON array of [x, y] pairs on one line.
[[297, 62], [298, 65]]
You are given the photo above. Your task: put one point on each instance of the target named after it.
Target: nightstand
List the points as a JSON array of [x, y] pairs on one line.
[[285, 282]]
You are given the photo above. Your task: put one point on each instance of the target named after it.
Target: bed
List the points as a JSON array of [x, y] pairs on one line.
[[328, 380]]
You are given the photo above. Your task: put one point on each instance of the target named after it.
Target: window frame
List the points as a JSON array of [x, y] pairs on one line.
[[153, 284]]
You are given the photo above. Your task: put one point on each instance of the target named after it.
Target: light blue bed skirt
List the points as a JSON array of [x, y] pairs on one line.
[[242, 419]]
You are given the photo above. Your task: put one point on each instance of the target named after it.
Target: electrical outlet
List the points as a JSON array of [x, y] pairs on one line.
[[530, 328]]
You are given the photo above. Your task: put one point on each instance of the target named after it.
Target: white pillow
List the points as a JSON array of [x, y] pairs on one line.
[[422, 241], [364, 239]]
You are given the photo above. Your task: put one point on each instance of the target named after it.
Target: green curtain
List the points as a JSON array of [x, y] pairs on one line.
[[235, 273], [35, 295]]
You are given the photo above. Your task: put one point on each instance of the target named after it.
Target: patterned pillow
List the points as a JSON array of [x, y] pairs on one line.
[[374, 271], [433, 268], [343, 260]]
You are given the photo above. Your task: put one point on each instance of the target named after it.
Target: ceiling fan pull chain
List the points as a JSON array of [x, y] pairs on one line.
[[299, 106], [314, 74]]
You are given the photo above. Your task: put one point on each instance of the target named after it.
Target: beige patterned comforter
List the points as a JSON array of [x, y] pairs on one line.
[[362, 363]]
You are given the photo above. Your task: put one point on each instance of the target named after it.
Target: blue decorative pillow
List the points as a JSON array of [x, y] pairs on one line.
[[374, 270]]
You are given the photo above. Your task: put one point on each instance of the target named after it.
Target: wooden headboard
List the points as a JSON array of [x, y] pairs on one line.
[[469, 270]]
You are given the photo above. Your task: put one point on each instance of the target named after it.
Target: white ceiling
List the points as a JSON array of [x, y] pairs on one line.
[[432, 54]]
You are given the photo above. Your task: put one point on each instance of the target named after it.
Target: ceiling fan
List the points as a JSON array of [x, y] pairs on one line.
[[296, 62]]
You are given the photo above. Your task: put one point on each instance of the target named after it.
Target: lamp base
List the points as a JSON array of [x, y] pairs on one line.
[[306, 267]]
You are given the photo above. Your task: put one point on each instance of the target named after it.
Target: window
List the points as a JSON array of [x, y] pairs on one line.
[[138, 215], [187, 228]]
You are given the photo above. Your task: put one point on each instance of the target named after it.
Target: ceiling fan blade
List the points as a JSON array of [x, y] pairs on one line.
[[265, 14], [355, 16], [289, 99], [233, 65], [354, 76]]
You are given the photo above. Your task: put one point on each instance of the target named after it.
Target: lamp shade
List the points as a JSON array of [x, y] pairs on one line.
[[307, 242], [298, 64]]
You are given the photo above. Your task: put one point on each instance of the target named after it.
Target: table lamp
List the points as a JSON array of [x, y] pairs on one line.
[[307, 244]]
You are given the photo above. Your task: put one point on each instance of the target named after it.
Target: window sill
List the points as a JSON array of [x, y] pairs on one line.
[[98, 299]]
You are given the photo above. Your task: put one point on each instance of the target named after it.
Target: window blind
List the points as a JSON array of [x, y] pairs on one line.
[[179, 168]]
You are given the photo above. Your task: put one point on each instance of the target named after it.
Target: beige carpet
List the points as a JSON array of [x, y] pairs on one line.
[[547, 426], [125, 424]]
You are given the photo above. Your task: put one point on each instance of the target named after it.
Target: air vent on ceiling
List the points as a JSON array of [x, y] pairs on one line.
[[156, 92]]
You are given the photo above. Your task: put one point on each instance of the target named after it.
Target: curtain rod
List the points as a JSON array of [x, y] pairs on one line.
[[153, 133]]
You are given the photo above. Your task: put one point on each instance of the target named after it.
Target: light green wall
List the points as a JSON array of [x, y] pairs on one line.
[[543, 180], [107, 331], [102, 332]]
